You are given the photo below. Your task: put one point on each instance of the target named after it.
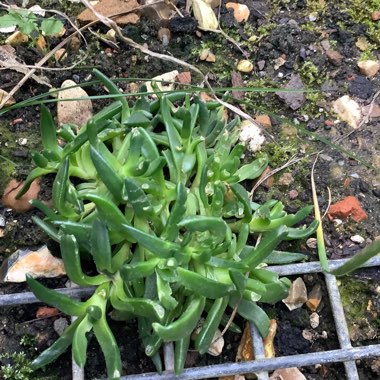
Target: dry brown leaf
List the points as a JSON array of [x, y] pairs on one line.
[[111, 7]]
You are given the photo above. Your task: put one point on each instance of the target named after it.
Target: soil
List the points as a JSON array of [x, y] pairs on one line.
[[293, 33]]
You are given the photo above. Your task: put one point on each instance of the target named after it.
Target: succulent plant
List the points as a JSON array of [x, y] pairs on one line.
[[152, 195]]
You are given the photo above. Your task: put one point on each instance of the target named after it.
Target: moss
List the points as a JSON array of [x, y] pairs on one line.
[[362, 15], [359, 302]]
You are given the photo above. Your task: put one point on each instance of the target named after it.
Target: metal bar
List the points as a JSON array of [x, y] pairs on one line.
[[284, 270], [229, 369], [340, 324], [258, 349], [315, 267], [169, 356], [29, 297]]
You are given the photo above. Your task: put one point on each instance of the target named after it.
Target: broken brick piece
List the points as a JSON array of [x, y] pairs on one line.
[[348, 207], [46, 312]]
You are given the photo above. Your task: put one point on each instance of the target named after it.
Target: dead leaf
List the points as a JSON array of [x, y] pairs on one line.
[[110, 7], [245, 350], [297, 295], [9, 102], [205, 16], [269, 340]]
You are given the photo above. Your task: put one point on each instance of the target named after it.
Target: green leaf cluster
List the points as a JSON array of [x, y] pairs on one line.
[[151, 195], [28, 23]]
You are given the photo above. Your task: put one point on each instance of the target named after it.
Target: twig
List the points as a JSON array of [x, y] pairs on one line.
[[328, 203], [290, 162], [9, 67]]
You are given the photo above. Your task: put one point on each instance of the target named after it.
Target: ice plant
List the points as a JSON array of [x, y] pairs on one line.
[[152, 195]]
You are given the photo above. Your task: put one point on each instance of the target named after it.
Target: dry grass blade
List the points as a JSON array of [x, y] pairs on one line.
[[293, 160], [317, 213]]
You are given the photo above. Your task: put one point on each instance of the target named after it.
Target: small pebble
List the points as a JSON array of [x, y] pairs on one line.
[[293, 194], [244, 66], [314, 320], [357, 239], [60, 325], [286, 179], [314, 298], [311, 243], [22, 141]]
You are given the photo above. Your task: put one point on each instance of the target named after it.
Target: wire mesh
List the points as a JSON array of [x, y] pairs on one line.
[[260, 366]]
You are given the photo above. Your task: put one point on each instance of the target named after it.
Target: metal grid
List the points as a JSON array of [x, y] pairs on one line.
[[260, 366]]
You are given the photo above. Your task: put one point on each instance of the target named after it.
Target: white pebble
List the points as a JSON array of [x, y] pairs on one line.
[[357, 239]]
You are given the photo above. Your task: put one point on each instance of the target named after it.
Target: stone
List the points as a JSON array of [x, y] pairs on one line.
[[268, 183], [278, 62], [41, 44], [158, 12], [207, 55], [314, 320], [241, 11], [362, 44], [357, 239], [237, 81], [315, 297], [261, 64], [264, 121], [74, 44], [76, 112], [292, 373], [184, 77], [286, 179], [40, 263], [293, 194], [297, 295], [164, 35], [3, 95], [60, 55], [334, 57], [60, 325], [166, 81], [244, 66], [348, 207], [46, 312], [372, 111], [251, 136], [17, 38], [293, 100], [22, 204], [348, 110], [111, 7], [375, 16], [311, 243], [205, 16], [369, 68]]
